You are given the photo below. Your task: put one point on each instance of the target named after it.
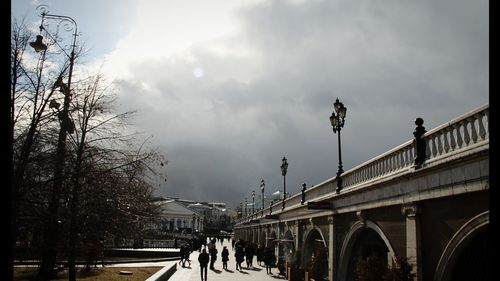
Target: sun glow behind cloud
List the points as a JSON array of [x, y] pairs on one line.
[[163, 29]]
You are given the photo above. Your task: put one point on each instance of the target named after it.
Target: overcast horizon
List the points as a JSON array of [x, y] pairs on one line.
[[225, 89]]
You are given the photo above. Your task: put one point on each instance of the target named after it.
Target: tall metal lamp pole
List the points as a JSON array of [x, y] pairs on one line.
[[337, 121], [284, 167], [67, 126]]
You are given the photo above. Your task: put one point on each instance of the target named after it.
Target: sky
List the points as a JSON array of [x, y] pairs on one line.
[[224, 89]]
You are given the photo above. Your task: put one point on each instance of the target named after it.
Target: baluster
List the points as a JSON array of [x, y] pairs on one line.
[[445, 139], [427, 147], [405, 156], [392, 164], [396, 160], [433, 146], [487, 122], [466, 133], [460, 140], [439, 144], [473, 129], [453, 130], [482, 131]]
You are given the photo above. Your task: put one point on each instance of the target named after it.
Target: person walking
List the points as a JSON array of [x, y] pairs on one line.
[[269, 259], [260, 254], [203, 260], [225, 257], [213, 257], [239, 255], [249, 252]]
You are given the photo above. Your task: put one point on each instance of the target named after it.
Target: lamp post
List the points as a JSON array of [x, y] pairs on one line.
[[284, 167], [194, 220], [246, 206], [262, 187], [337, 121], [253, 201], [49, 252]]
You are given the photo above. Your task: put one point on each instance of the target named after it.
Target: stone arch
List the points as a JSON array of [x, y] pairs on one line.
[[314, 244], [350, 241], [473, 231], [288, 246]]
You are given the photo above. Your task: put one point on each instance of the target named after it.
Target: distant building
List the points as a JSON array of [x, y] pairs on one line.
[[175, 218]]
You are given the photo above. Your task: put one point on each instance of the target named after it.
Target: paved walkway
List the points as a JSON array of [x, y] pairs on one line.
[[257, 273]]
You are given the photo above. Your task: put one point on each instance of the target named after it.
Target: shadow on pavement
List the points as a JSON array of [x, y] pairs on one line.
[[216, 271], [241, 271], [254, 269], [227, 270]]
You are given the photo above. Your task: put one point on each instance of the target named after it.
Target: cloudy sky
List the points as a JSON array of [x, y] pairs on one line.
[[226, 88]]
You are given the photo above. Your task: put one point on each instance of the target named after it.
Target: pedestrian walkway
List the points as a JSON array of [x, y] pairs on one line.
[[257, 273]]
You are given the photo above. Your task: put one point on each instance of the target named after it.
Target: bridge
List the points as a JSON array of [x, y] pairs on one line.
[[434, 214]]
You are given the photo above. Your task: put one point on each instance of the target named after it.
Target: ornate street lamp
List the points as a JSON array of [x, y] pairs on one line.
[[262, 187], [194, 220], [337, 121], [67, 126], [284, 167], [253, 201], [246, 206]]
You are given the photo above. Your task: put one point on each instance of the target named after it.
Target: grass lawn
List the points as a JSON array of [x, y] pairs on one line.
[[96, 274]]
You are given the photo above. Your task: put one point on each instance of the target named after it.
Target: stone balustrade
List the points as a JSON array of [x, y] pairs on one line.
[[459, 135]]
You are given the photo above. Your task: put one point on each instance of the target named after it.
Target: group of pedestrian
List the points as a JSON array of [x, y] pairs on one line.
[[243, 251]]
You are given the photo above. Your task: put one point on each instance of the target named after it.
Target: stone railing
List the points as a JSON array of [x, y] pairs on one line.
[[461, 134]]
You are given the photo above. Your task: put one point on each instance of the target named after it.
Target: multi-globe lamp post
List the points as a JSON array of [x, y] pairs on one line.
[[337, 120], [67, 126], [253, 201], [284, 167], [262, 187]]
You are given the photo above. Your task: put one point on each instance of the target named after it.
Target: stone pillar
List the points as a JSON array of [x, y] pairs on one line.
[[413, 239], [331, 249], [296, 231]]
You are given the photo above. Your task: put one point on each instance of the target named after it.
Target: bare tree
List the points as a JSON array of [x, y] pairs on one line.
[[105, 170]]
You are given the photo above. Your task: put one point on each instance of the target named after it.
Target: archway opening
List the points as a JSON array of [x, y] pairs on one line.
[[473, 260], [369, 255], [315, 256], [287, 248]]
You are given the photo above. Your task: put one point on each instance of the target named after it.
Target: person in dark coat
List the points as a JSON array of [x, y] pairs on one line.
[[249, 252], [213, 257], [269, 259], [225, 257], [203, 260], [239, 254], [260, 254]]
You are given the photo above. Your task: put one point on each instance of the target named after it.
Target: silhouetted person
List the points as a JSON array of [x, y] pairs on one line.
[[249, 252], [269, 259], [225, 257], [239, 254], [203, 260], [213, 257], [260, 254]]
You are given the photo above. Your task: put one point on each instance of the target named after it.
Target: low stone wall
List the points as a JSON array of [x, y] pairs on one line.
[[163, 274], [135, 253]]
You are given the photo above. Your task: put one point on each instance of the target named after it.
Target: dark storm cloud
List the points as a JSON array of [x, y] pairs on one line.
[[388, 61]]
